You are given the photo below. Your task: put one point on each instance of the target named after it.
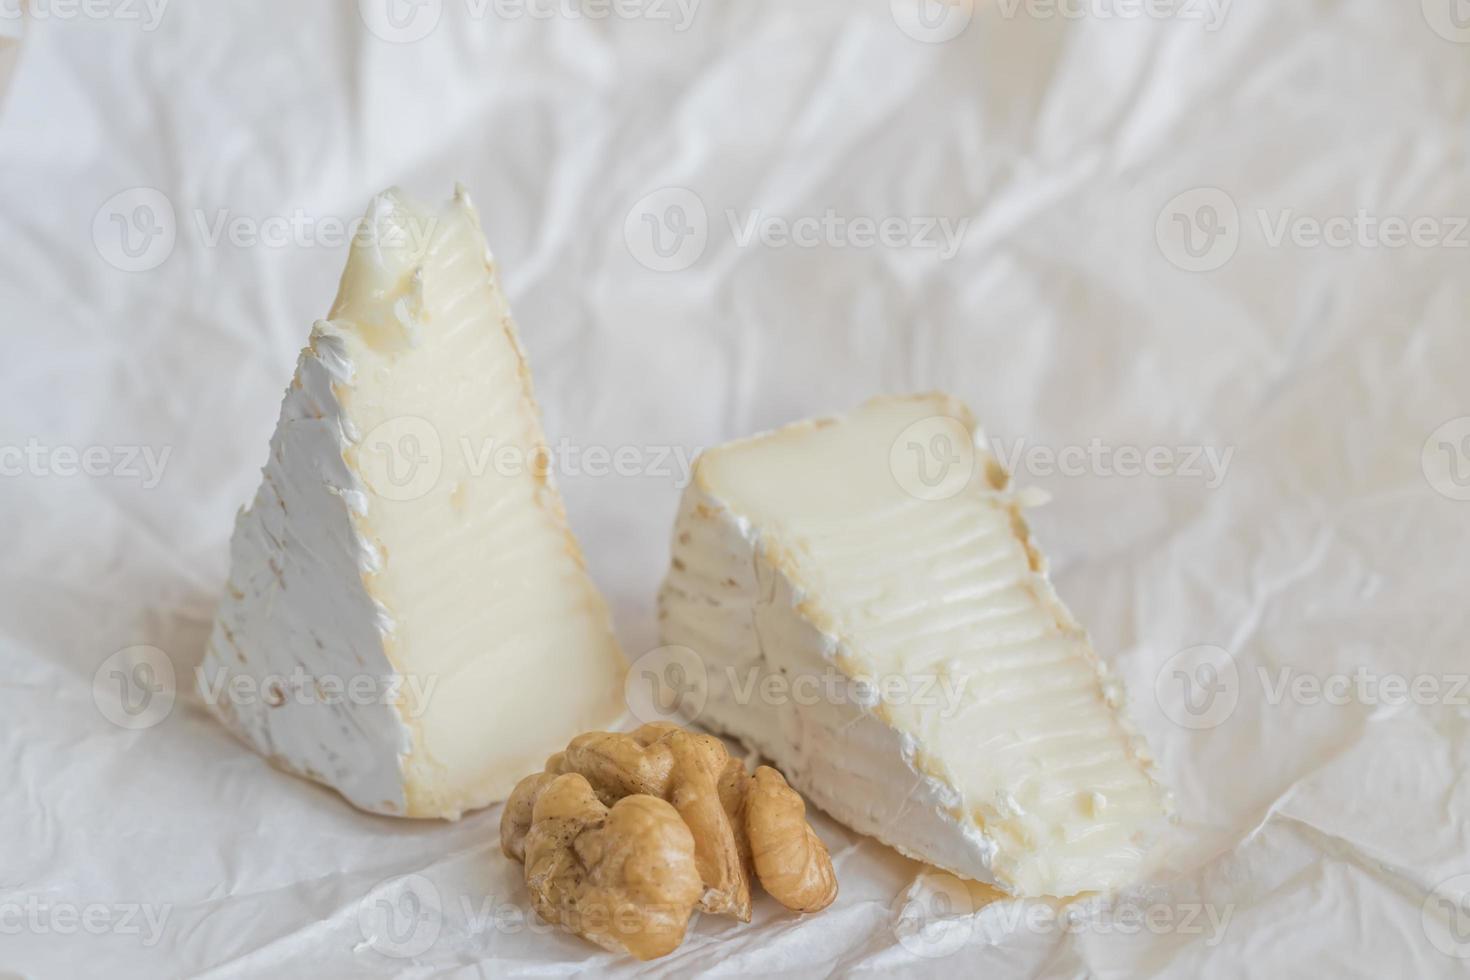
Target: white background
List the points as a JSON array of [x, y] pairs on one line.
[[1077, 148]]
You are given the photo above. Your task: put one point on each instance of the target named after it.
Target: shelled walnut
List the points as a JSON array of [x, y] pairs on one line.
[[622, 876], [572, 825]]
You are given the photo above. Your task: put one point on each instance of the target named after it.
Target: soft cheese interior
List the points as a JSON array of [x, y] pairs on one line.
[[991, 742], [407, 538]]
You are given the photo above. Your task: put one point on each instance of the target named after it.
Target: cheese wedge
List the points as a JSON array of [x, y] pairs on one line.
[[408, 618], [871, 614]]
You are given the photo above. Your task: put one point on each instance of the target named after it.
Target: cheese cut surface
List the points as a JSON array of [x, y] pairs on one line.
[[407, 539], [990, 740]]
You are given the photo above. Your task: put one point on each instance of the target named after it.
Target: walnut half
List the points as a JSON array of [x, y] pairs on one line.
[[790, 859], [624, 877]]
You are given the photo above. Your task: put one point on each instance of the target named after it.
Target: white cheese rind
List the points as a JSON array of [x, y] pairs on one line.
[[296, 596], [408, 534], [800, 554]]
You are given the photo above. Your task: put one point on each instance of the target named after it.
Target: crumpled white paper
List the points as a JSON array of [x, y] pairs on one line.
[[1203, 279]]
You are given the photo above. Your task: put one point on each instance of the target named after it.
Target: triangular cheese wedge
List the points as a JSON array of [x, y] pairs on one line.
[[866, 608], [408, 618]]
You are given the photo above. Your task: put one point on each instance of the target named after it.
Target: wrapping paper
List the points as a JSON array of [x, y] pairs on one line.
[[1204, 280]]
